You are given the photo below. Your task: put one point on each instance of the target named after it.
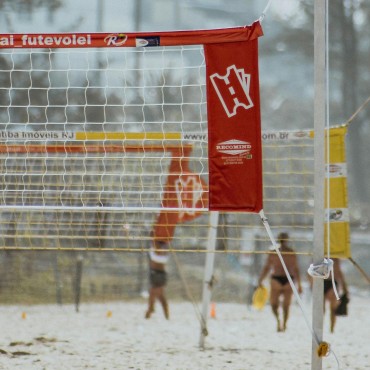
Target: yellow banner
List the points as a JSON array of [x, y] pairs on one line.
[[336, 200]]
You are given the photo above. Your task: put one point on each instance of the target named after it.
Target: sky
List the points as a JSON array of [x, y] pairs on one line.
[[82, 16]]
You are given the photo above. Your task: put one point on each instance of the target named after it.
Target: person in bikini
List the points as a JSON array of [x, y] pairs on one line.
[[280, 289], [158, 258], [329, 295]]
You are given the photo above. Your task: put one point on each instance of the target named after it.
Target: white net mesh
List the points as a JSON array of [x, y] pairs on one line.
[[88, 138]]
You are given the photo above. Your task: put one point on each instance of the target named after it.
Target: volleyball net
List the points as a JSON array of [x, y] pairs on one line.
[[104, 138]]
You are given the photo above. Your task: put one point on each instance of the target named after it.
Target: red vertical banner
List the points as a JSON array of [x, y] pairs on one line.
[[234, 125]]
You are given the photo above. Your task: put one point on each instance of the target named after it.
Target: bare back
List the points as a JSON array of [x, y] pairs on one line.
[[276, 266]]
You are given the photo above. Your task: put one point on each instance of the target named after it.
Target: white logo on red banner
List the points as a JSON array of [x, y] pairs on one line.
[[234, 147], [189, 191], [233, 89], [115, 39]]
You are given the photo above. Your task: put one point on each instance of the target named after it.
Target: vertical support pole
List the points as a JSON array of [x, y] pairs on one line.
[[208, 274], [58, 281], [100, 15], [320, 86], [141, 272], [99, 28], [138, 10], [78, 279]]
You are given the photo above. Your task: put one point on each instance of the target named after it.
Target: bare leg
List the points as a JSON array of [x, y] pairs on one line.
[[274, 301], [333, 306], [164, 303], [287, 294], [275, 310], [286, 316], [332, 319], [151, 301], [330, 296]]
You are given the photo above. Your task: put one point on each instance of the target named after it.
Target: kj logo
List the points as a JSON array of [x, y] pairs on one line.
[[337, 215], [233, 89]]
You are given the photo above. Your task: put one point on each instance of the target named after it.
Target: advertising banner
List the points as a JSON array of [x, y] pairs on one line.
[[234, 126]]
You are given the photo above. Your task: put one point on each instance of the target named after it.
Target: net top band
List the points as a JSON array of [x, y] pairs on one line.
[[140, 39]]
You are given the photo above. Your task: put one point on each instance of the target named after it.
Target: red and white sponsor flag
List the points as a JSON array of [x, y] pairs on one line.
[[234, 125], [185, 192]]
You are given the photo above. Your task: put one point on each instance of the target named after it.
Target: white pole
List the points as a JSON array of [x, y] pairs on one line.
[[208, 275], [320, 85]]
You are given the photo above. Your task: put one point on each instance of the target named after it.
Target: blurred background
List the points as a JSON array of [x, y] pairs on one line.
[[286, 86]]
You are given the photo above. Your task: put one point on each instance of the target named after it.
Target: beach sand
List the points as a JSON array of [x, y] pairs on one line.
[[116, 336]]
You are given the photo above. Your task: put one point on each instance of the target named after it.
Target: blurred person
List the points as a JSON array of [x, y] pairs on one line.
[[329, 295], [158, 258], [280, 289]]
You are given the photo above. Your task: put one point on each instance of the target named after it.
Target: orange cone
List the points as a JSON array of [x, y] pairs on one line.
[[213, 310]]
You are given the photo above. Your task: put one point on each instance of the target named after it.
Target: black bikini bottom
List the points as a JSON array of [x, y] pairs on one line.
[[328, 284], [283, 280], [157, 278]]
